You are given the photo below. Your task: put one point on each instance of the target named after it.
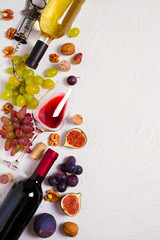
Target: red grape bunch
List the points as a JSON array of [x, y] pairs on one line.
[[18, 131]]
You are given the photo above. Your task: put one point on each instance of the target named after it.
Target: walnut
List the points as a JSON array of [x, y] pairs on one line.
[[10, 33], [7, 108], [54, 58], [54, 139], [68, 49], [9, 51], [52, 196], [7, 14]]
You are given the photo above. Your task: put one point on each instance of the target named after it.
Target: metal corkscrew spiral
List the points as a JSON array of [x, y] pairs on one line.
[[31, 15]]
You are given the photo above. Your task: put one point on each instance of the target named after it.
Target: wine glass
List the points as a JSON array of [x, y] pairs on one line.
[[40, 128]]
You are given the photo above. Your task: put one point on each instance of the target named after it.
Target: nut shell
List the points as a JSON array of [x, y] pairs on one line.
[[70, 228], [68, 49], [77, 119]]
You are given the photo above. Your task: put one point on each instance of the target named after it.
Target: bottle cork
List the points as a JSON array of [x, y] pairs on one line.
[[6, 178], [38, 151]]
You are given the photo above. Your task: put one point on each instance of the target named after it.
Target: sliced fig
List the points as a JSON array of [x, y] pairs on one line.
[[75, 138], [71, 203]]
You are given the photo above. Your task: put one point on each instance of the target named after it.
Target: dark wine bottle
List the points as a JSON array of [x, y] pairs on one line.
[[23, 199]]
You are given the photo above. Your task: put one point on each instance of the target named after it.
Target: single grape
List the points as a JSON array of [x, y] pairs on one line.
[[23, 141], [22, 66], [10, 70], [16, 125], [74, 32], [38, 80], [29, 135], [16, 60], [32, 88], [8, 144], [71, 159], [71, 80], [28, 97], [14, 142], [52, 181], [72, 180], [27, 120], [14, 116], [22, 90], [8, 128], [6, 94], [51, 72], [61, 177], [63, 167], [6, 120], [18, 132], [26, 128], [71, 167], [22, 113], [28, 73], [61, 187], [33, 104], [25, 56], [14, 81], [79, 170], [28, 150], [9, 86], [48, 83], [20, 73], [14, 100], [77, 59], [15, 150], [29, 80], [21, 101], [10, 135], [15, 93]]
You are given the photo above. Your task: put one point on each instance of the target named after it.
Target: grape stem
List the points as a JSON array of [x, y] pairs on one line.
[[14, 71]]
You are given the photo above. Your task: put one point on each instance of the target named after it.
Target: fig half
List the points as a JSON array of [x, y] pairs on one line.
[[71, 203], [75, 138]]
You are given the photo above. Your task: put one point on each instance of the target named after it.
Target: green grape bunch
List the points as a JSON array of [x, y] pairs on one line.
[[23, 84]]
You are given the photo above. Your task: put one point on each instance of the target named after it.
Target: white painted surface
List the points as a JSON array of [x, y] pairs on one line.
[[118, 95]]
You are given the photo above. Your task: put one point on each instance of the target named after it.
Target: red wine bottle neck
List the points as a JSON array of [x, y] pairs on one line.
[[46, 162]]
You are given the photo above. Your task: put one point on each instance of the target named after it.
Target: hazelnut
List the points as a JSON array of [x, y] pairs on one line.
[[70, 228], [77, 119], [64, 65], [68, 49]]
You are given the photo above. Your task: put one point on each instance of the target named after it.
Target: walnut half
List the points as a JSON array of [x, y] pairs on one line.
[[7, 108]]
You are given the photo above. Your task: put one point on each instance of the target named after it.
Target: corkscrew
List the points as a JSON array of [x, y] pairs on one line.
[[31, 15]]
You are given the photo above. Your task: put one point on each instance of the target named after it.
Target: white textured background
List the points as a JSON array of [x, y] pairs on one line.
[[118, 95]]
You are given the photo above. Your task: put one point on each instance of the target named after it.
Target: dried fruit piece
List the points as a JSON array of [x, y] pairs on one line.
[[77, 59], [64, 65], [9, 51], [52, 196], [70, 228], [10, 33], [54, 139], [7, 108], [54, 58], [71, 203], [77, 119], [75, 138], [68, 49], [7, 14]]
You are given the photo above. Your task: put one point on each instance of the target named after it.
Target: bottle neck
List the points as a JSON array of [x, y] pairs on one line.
[[46, 163], [37, 178]]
